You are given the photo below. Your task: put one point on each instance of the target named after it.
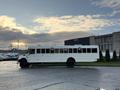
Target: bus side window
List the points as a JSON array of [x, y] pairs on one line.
[[79, 50], [61, 50], [88, 50], [42, 50], [52, 50], [47, 50], [94, 50], [56, 50], [84, 50], [38, 50], [31, 51], [65, 50], [70, 50], [74, 50]]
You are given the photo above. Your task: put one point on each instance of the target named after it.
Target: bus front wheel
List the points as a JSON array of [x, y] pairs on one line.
[[23, 63], [70, 62]]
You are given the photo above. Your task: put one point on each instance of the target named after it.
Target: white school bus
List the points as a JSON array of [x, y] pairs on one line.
[[68, 54]]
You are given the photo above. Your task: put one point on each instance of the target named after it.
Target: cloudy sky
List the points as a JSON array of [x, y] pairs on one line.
[[53, 21]]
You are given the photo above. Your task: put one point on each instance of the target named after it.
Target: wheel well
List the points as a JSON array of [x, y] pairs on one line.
[[22, 60], [70, 59]]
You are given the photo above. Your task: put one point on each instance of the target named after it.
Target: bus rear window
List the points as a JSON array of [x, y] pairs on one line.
[[31, 51]]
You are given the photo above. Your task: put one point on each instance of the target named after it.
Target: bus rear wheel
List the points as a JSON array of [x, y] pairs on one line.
[[23, 63], [70, 62]]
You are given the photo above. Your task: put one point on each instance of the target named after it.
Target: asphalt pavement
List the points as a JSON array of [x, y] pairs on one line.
[[12, 77]]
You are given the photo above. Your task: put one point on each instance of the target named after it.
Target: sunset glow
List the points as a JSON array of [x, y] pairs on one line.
[[18, 44]]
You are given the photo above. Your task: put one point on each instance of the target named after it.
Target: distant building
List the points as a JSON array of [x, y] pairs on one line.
[[108, 41], [83, 41]]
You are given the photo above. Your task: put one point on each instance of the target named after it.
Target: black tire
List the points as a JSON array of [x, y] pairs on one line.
[[23, 63], [70, 62]]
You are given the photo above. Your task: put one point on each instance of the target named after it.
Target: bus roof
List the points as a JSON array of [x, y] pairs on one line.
[[64, 46]]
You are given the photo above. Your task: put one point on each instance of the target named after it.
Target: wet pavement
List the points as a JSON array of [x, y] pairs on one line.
[[58, 77]]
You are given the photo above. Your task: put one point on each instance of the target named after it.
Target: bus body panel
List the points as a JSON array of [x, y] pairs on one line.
[[62, 57]]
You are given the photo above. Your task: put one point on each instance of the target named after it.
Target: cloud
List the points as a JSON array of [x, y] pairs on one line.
[[57, 38], [10, 22], [68, 27], [115, 12], [6, 21], [52, 30], [56, 24], [7, 37], [70, 23], [113, 4]]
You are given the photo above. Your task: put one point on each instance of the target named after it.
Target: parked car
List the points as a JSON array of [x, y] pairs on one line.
[[8, 56], [2, 56]]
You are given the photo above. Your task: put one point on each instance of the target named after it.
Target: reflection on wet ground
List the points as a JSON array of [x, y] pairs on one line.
[[58, 78]]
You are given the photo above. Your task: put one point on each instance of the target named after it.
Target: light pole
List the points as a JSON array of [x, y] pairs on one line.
[[18, 43]]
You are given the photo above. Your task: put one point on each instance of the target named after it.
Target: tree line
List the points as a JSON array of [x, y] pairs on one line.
[[107, 57]]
